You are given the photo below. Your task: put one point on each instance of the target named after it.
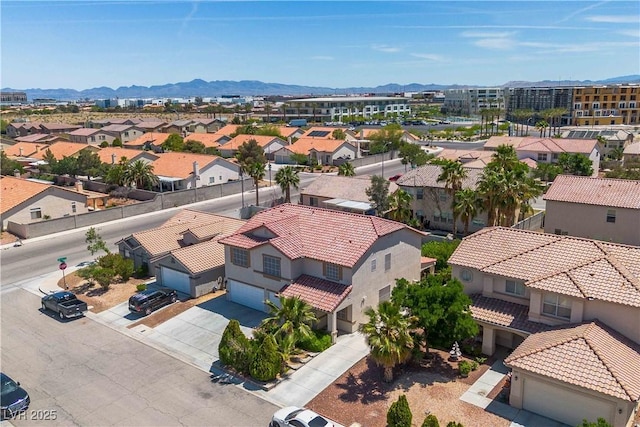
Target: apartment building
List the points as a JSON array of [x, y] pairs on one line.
[[335, 108], [606, 105], [472, 101]]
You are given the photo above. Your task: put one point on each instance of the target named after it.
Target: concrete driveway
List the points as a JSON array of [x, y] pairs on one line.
[[196, 333]]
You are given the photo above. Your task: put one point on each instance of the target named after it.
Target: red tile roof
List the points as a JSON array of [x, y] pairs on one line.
[[262, 140], [319, 293], [180, 165], [590, 355], [616, 193], [573, 266], [543, 145], [325, 235], [503, 313]]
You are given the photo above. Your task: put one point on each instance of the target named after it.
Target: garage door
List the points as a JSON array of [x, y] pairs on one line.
[[176, 280], [250, 296], [563, 404]]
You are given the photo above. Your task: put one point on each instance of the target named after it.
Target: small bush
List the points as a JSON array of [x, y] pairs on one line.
[[474, 365], [318, 342], [454, 424], [431, 421], [399, 414], [141, 272], [141, 287], [481, 360], [464, 368], [266, 362], [235, 348]]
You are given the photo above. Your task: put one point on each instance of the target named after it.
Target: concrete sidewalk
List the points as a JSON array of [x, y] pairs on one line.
[[316, 375]]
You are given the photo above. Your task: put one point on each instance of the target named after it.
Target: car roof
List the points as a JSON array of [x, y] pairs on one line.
[[307, 415]]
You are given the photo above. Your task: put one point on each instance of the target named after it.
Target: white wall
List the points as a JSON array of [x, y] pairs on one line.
[[53, 202], [221, 171]]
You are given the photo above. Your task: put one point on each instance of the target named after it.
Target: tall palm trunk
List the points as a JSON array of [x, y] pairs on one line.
[[388, 374]]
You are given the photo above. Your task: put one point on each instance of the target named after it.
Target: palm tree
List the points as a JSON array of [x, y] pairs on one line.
[[453, 174], [489, 189], [400, 206], [466, 207], [256, 170], [286, 178], [140, 174], [293, 318], [388, 336], [542, 127], [346, 169]]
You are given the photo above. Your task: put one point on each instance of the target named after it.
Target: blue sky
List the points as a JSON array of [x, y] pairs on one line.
[[84, 44]]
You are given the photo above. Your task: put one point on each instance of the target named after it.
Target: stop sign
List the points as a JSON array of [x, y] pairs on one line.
[[63, 265]]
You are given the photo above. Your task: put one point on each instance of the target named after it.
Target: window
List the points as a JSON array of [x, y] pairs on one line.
[[384, 294], [271, 265], [387, 262], [73, 207], [557, 306], [443, 196], [332, 271], [514, 288], [313, 201], [554, 156], [240, 257], [344, 314], [466, 275], [373, 265], [93, 139], [611, 215], [126, 134], [419, 193], [36, 213], [542, 157], [220, 178], [212, 179]]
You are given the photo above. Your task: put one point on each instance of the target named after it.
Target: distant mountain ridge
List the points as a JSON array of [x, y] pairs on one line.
[[216, 88]]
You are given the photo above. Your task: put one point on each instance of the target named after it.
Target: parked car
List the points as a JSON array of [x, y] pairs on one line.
[[292, 416], [394, 178], [66, 304], [152, 299], [14, 399]]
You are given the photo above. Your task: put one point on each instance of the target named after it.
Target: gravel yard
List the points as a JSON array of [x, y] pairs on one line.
[[361, 396]]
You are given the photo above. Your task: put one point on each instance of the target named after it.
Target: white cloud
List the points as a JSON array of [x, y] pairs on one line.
[[495, 43], [322, 58], [614, 19], [430, 57], [548, 48], [385, 48], [487, 34], [630, 33]]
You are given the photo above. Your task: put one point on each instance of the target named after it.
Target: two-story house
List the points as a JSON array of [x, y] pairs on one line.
[[431, 202], [596, 208], [183, 253], [149, 141], [318, 151], [570, 307], [340, 263], [269, 144], [125, 133], [91, 136], [548, 150]]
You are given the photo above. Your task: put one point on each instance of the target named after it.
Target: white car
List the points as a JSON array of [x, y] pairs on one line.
[[292, 416]]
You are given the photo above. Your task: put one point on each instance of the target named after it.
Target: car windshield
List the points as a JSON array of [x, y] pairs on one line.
[[8, 385], [318, 422]]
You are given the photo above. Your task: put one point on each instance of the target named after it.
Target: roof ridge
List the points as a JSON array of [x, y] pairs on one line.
[[624, 271], [598, 354]]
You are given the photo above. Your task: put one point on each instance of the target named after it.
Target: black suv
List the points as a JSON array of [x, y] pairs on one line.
[[151, 299], [14, 398]]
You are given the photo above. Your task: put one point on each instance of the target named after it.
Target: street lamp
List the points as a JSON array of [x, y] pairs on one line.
[[269, 174], [242, 185]]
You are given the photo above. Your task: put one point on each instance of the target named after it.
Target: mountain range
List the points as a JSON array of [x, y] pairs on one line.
[[218, 88]]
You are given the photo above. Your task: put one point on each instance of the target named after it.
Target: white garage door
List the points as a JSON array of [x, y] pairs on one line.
[[175, 280], [246, 295], [563, 404]]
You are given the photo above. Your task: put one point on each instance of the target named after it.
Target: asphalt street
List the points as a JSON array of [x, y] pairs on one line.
[[86, 374]]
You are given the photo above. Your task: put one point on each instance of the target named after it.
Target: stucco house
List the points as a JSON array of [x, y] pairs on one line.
[[535, 293], [318, 151], [56, 128], [149, 141], [17, 129], [151, 126], [270, 144], [631, 153], [113, 155], [548, 150], [340, 193], [431, 202], [91, 136], [209, 140], [180, 171], [340, 263], [42, 138], [596, 208], [61, 150], [24, 201], [125, 133], [181, 127], [613, 138], [183, 253]]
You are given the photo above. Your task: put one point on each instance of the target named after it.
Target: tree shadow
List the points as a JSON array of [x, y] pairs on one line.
[[96, 292], [365, 387]]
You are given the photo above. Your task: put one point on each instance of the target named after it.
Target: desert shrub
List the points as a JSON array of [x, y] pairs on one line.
[[399, 414], [104, 277], [120, 266], [474, 365], [141, 272], [481, 360], [141, 287], [431, 421], [86, 273], [235, 348], [454, 424], [266, 362], [317, 342], [464, 368]]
